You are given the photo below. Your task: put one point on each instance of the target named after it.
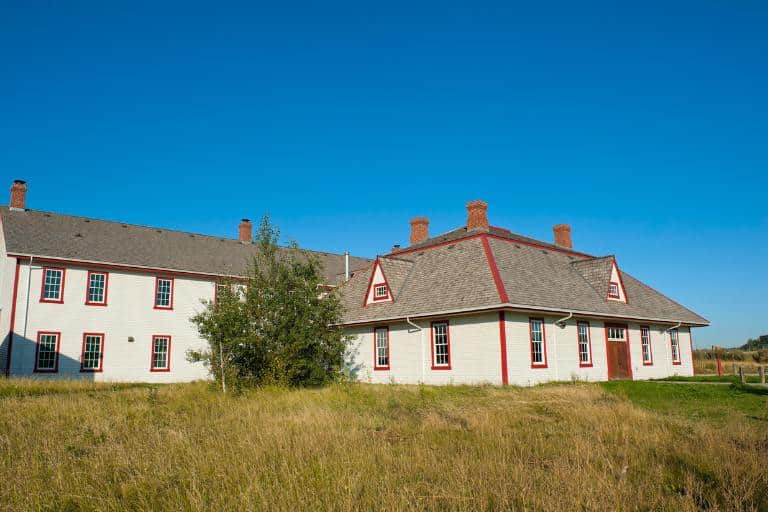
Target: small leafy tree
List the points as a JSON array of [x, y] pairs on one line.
[[276, 326]]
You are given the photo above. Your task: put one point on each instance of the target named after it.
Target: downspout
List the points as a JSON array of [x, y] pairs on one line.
[[675, 327], [12, 325], [26, 308], [561, 322], [421, 333]]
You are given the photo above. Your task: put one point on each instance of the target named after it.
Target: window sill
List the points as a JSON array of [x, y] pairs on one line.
[[445, 367]]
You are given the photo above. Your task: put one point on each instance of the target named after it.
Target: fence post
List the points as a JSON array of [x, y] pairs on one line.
[[742, 377], [734, 369], [761, 371]]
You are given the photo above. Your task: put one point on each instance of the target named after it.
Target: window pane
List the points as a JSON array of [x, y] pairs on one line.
[[583, 343], [163, 295], [92, 353], [382, 348], [537, 341], [440, 337], [46, 352], [52, 284], [160, 353], [96, 286]]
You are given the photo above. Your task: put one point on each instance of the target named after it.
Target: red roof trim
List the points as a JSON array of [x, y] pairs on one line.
[[620, 283], [503, 297], [118, 266]]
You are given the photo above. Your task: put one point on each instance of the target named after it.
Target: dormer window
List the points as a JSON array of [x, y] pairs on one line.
[[613, 290], [380, 291]]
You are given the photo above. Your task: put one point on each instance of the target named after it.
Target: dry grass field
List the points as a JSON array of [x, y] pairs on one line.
[[617, 446]]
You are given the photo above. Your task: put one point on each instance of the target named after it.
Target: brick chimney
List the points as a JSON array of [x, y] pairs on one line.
[[18, 195], [477, 215], [563, 235], [245, 231], [419, 229]]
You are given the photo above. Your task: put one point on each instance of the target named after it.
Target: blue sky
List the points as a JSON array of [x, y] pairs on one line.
[[645, 127]]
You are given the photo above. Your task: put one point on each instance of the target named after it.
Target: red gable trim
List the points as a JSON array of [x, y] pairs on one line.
[[495, 271], [620, 283], [390, 294]]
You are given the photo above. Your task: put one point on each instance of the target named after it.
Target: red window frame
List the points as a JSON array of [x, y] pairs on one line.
[[55, 368], [382, 297], [101, 354], [679, 360], [88, 301], [650, 346], [543, 341], [616, 295], [582, 364], [152, 366], [60, 300], [173, 292], [448, 341], [376, 365]]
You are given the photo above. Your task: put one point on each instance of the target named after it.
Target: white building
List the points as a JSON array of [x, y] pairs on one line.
[[481, 304], [92, 299]]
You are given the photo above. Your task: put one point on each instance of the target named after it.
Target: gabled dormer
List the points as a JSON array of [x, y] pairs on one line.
[[379, 290], [616, 290], [603, 275]]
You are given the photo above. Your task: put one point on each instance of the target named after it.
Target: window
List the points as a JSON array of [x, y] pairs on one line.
[[161, 354], [613, 290], [675, 344], [616, 333], [380, 291], [96, 294], [53, 285], [645, 343], [93, 353], [163, 293], [47, 356], [538, 343], [441, 346], [381, 347], [219, 291], [585, 344]]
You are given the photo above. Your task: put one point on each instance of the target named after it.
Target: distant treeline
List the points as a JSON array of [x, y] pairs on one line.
[[756, 343], [733, 354]]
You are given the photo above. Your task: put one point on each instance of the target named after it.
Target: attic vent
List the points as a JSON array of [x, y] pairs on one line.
[[78, 235]]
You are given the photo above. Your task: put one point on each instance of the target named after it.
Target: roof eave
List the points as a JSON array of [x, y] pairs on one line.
[[526, 307]]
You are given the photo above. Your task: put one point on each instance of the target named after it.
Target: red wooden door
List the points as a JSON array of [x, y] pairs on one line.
[[618, 368]]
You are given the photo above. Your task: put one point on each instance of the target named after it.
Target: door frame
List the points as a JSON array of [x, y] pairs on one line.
[[629, 351]]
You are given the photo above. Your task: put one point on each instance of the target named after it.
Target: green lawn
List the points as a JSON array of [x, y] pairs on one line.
[[697, 401], [734, 379]]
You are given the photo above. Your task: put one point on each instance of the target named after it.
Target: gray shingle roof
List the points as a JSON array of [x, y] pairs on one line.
[[457, 276], [54, 235]]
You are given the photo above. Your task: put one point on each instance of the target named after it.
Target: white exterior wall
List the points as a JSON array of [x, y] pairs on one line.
[[476, 352], [129, 313], [661, 350]]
